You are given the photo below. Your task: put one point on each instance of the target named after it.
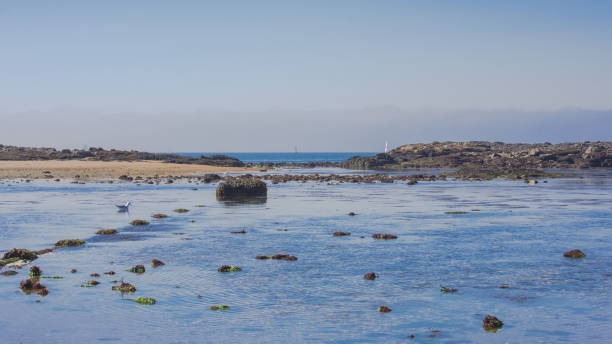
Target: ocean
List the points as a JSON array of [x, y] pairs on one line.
[[300, 157]]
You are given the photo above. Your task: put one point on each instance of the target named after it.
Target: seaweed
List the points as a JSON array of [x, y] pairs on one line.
[[145, 300]]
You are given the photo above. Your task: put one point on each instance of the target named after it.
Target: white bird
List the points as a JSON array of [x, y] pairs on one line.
[[124, 207]]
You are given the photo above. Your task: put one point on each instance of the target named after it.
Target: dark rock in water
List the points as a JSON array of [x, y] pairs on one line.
[[341, 233], [106, 231], [95, 274], [139, 223], [351, 214], [181, 210], [384, 236], [370, 276], [239, 232], [35, 271], [491, 323], [504, 286], [110, 273], [227, 268], [278, 257], [384, 309], [8, 273], [20, 253], [73, 271], [126, 178], [156, 262], [69, 242], [138, 269], [237, 187], [124, 287], [44, 251], [43, 292], [455, 212], [447, 290], [159, 216], [30, 285], [574, 254], [91, 283]]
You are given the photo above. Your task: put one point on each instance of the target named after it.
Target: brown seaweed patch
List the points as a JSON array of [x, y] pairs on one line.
[[574, 254], [384, 236], [69, 243], [156, 262], [139, 223], [106, 232], [341, 233]]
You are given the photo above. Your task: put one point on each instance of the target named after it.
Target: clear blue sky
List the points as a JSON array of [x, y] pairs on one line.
[[197, 61]]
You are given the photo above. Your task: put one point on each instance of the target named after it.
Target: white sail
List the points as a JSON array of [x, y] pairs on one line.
[[386, 147]]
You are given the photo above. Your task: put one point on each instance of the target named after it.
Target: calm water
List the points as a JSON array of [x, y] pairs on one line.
[[289, 157], [517, 238]]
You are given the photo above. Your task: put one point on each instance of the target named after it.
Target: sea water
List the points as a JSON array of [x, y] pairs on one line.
[[513, 234]]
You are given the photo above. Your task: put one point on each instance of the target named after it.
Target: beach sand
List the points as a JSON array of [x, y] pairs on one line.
[[64, 169]]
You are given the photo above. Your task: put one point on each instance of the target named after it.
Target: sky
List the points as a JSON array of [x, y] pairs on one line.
[[321, 75]]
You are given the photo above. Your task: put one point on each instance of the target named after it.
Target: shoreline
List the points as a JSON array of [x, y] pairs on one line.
[[91, 170]]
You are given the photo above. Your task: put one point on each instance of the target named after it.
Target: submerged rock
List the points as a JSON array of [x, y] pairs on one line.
[[227, 268], [159, 216], [138, 269], [139, 223], [278, 257], [69, 243], [35, 271], [181, 210], [95, 274], [156, 262], [239, 232], [491, 323], [219, 307], [43, 292], [384, 309], [8, 273], [91, 283], [31, 285], [106, 231], [384, 236], [73, 271], [341, 233], [124, 287], [370, 276], [236, 187], [455, 212], [351, 214], [574, 254], [145, 300], [110, 273]]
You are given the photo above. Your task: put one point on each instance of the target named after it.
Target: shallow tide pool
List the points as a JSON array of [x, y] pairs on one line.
[[512, 234]]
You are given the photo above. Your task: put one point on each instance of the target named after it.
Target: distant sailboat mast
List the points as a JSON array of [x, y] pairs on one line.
[[386, 147], [294, 149]]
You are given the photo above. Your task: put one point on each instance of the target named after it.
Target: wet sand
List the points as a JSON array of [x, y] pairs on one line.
[[63, 169]]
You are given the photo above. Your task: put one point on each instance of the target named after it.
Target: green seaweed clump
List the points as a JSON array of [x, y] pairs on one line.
[[106, 231], [139, 223], [447, 290], [159, 216], [181, 210], [227, 268], [145, 300], [125, 287], [138, 269], [4, 262], [219, 307], [69, 243], [574, 254], [491, 323]]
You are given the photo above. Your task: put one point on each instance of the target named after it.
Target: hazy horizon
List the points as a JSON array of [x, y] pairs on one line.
[[323, 76]]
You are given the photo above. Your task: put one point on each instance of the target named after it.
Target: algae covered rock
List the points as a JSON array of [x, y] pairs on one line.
[[159, 216], [278, 257], [31, 285], [138, 269], [219, 307], [341, 233], [106, 232], [447, 290], [17, 254], [181, 210], [35, 271], [8, 273], [139, 223], [124, 287], [69, 243], [384, 236], [145, 300], [491, 323], [574, 254], [384, 309], [227, 268], [237, 187], [370, 276]]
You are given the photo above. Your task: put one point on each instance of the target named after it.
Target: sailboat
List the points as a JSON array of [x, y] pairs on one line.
[[386, 147]]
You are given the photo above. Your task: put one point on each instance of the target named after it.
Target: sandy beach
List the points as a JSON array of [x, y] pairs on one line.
[[103, 169]]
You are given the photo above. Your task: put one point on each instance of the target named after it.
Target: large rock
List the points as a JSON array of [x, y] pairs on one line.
[[239, 187]]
